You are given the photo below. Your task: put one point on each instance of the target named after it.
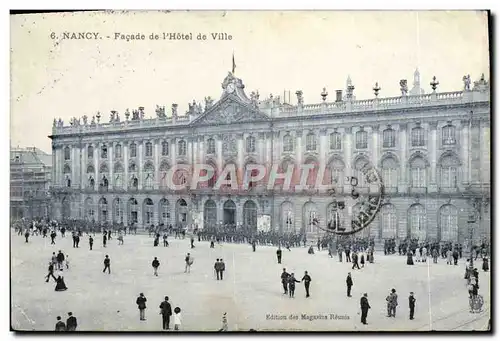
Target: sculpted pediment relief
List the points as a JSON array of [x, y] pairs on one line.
[[231, 111]]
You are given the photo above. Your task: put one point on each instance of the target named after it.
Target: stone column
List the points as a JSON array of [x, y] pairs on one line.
[[173, 150], [125, 165], [239, 211], [54, 166], [156, 160], [241, 152], [220, 208], [298, 147], [140, 166], [464, 142], [201, 149], [74, 166], [323, 148], [433, 156], [97, 180], [347, 158], [83, 180], [111, 180], [403, 139]]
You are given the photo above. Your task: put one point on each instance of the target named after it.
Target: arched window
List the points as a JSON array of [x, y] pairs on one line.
[[287, 143], [390, 172], [104, 151], [449, 172], [133, 209], [417, 137], [67, 175], [418, 171], [89, 209], [148, 175], [133, 150], [449, 135], [389, 138], [164, 213], [133, 179], [103, 210], [389, 221], [335, 141], [164, 148], [448, 220], [359, 166], [181, 148], [118, 175], [250, 145], [149, 149], [90, 152], [118, 211], [287, 217], [67, 153], [337, 169], [417, 222], [210, 214], [118, 151], [210, 146], [148, 211], [311, 142], [250, 214], [361, 139]]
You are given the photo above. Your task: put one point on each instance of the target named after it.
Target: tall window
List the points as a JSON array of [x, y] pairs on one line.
[[90, 152], [104, 151], [335, 141], [390, 172], [389, 221], [164, 148], [148, 176], [417, 137], [149, 149], [118, 151], [359, 173], [67, 153], [337, 171], [118, 175], [310, 142], [181, 148], [448, 219], [418, 172], [133, 150], [361, 139], [389, 136], [287, 143], [250, 144], [449, 135], [416, 216], [449, 172], [210, 146]]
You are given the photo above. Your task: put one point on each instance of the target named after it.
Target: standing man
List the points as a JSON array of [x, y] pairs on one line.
[[51, 272], [155, 264], [284, 280], [60, 326], [355, 260], [104, 239], [192, 241], [253, 245], [189, 262], [392, 302], [291, 285], [411, 301], [278, 254], [141, 304], [91, 242], [217, 268], [165, 241], [222, 269], [364, 308], [71, 323], [166, 312], [307, 282], [349, 284], [60, 260], [107, 264], [53, 235], [27, 235]]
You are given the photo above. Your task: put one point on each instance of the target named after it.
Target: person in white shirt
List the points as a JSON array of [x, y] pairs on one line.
[[177, 318], [67, 261]]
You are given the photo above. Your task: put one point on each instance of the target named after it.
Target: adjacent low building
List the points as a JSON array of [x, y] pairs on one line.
[[432, 151]]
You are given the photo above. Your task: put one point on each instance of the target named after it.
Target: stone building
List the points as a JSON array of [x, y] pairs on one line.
[[432, 151], [30, 180]]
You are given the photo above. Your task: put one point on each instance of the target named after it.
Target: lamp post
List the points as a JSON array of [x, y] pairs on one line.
[[474, 216]]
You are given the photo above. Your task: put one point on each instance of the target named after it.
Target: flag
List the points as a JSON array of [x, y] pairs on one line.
[[234, 64]]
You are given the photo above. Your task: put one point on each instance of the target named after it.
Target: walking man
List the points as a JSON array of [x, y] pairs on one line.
[[51, 272], [307, 282], [291, 285], [104, 239], [155, 264], [217, 268], [278, 254], [365, 305], [91, 242], [355, 261], [165, 241], [411, 301], [392, 303], [141, 304], [107, 264], [166, 312], [71, 323], [222, 269], [349, 284], [284, 280]]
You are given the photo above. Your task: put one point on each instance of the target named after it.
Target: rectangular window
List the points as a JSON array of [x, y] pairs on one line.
[[418, 177], [389, 136], [448, 135], [311, 142], [361, 140], [335, 141], [417, 137]]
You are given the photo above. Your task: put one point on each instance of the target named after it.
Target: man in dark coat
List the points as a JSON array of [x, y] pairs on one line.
[[411, 301], [27, 235], [217, 268], [166, 312], [104, 239], [349, 284], [365, 305], [291, 285], [455, 257], [141, 304], [51, 273], [307, 282], [60, 326], [278, 254], [107, 264], [60, 260], [53, 235], [284, 280], [222, 268], [155, 263], [91, 242], [355, 260], [71, 323]]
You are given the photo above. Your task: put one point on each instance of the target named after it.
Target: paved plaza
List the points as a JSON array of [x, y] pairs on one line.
[[250, 293]]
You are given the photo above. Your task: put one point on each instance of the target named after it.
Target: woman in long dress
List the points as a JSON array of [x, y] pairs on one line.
[[409, 260], [60, 285]]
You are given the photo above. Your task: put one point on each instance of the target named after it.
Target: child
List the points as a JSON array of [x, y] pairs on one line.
[[67, 262], [177, 318]]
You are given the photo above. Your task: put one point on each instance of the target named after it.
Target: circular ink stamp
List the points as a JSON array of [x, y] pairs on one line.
[[361, 204]]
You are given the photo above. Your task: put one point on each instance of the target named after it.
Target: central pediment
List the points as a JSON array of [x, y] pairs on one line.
[[231, 110]]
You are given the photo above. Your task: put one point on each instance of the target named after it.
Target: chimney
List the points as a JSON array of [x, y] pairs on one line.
[[339, 96]]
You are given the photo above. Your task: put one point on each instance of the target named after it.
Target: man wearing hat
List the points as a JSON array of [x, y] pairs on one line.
[[364, 308], [71, 323], [411, 301], [166, 312], [141, 304]]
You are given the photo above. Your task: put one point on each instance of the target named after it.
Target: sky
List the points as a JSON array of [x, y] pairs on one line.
[[273, 51]]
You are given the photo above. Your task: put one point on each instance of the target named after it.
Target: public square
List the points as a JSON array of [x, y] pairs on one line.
[[251, 288]]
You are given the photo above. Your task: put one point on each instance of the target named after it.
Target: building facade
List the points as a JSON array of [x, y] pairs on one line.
[[432, 151], [30, 182]]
